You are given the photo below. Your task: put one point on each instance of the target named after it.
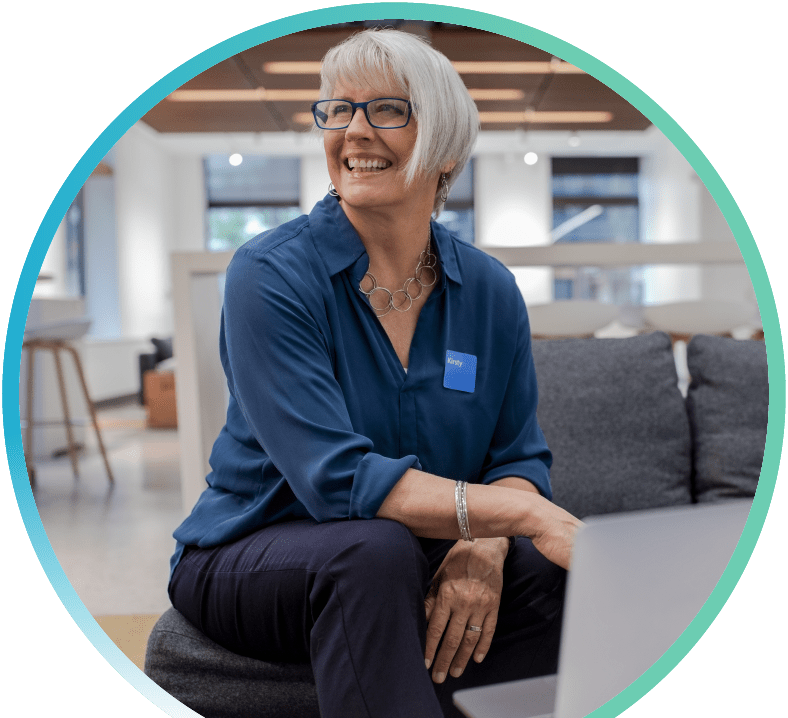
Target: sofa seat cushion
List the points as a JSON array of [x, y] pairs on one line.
[[219, 684], [728, 406], [615, 420]]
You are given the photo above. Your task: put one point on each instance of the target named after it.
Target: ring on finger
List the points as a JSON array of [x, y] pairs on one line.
[[473, 628]]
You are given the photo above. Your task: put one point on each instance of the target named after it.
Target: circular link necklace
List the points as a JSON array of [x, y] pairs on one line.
[[427, 263]]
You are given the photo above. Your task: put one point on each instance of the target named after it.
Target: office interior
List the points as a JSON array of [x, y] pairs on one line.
[[562, 162]]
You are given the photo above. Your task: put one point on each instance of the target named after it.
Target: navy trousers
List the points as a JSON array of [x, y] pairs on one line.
[[349, 597]]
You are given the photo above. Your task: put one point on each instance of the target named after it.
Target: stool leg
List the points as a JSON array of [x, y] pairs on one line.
[[72, 448], [31, 471], [92, 409]]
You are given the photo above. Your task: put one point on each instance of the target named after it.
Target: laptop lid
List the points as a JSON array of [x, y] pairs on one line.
[[637, 581]]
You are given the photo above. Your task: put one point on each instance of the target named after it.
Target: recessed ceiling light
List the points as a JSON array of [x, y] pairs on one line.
[[540, 117], [531, 158], [236, 159]]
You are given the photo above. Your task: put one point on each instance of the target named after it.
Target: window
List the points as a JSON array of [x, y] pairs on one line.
[[259, 194], [75, 247], [457, 215], [595, 199]]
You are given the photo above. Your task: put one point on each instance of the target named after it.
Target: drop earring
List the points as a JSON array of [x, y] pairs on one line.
[[331, 190], [444, 189]]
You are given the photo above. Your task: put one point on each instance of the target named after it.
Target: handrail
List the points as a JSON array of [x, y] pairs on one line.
[[617, 254]]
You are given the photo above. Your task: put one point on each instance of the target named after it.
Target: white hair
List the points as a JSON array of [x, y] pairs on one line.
[[447, 118]]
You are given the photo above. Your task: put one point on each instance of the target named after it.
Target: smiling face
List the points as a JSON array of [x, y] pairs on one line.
[[367, 165]]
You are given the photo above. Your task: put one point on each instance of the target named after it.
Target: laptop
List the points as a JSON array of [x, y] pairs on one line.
[[637, 581]]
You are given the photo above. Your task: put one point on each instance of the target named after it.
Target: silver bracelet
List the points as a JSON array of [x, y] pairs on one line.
[[460, 489]]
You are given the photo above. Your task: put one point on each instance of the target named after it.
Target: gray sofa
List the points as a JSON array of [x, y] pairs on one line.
[[623, 437]]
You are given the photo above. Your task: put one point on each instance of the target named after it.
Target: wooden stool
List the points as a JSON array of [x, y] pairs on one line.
[[56, 346]]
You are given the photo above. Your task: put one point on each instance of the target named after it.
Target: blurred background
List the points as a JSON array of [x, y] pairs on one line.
[[606, 226]]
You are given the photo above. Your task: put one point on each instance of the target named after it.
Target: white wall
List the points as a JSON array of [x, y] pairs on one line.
[[145, 197], [670, 201], [112, 367], [189, 202], [721, 283], [314, 180], [513, 207]]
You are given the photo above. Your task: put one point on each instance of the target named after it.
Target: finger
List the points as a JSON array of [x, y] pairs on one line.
[[470, 641], [429, 606], [430, 599], [435, 628], [488, 631], [452, 640]]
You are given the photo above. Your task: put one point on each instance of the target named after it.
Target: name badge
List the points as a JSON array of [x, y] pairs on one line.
[[460, 371]]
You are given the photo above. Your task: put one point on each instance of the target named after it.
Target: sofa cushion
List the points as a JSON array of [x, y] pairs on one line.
[[728, 405], [219, 684], [615, 420]]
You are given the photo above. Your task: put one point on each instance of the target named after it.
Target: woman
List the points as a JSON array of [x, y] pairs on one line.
[[382, 414]]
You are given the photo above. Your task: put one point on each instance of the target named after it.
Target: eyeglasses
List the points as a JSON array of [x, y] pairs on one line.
[[386, 113]]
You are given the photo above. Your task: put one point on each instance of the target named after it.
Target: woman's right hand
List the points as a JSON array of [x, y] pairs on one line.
[[553, 532]]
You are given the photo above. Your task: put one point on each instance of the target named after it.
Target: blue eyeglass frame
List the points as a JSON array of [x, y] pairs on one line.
[[363, 105]]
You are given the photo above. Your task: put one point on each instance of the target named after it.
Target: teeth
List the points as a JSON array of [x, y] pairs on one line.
[[362, 165]]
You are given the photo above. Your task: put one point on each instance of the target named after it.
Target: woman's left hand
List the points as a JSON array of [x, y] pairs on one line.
[[466, 591]]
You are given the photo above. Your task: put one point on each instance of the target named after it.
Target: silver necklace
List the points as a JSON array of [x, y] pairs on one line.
[[427, 262]]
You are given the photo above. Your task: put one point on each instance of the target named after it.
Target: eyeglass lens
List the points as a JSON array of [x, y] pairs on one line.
[[336, 114]]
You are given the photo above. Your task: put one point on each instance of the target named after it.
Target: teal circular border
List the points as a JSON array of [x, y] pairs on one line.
[[381, 11]]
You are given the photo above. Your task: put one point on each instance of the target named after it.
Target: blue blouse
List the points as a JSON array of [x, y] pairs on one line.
[[323, 420]]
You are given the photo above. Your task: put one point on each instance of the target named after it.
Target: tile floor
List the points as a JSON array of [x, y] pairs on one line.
[[114, 543]]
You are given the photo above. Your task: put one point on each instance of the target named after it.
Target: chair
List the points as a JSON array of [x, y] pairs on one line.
[[55, 338]]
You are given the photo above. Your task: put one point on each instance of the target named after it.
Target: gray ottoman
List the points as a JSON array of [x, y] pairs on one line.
[[219, 684]]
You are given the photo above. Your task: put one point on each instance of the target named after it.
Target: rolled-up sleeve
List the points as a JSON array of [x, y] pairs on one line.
[[519, 447], [280, 372]]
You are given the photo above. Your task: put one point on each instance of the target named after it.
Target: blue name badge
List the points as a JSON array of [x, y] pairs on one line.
[[460, 372]]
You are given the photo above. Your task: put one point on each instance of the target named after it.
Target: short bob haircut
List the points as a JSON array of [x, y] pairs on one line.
[[448, 121]]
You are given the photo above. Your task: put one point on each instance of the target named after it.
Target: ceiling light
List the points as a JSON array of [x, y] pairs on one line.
[[531, 158], [303, 118], [515, 68], [297, 67], [236, 159], [496, 94], [539, 117], [244, 95], [538, 67]]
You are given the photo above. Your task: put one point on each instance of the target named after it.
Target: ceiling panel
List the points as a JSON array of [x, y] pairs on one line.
[[543, 92]]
